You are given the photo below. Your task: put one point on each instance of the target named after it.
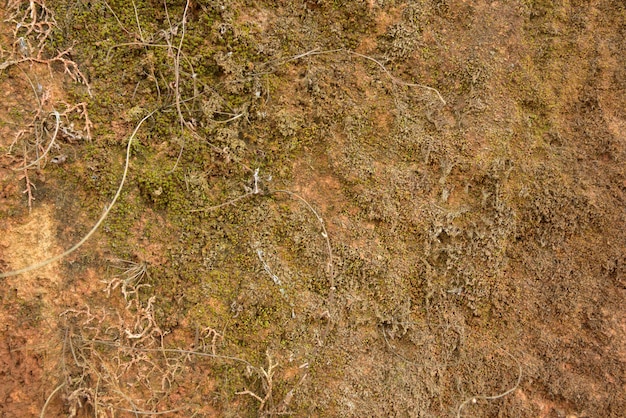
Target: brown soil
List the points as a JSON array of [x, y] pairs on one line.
[[477, 246]]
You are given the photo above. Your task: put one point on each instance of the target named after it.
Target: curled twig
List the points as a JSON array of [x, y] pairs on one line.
[[475, 398], [98, 223], [393, 78], [45, 405]]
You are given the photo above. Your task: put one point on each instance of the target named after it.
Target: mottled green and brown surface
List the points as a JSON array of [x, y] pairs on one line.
[[470, 239]]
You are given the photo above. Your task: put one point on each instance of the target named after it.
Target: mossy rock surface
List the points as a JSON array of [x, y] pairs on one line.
[[334, 208]]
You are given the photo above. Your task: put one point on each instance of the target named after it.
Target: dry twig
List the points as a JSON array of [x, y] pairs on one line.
[[97, 224], [267, 376], [474, 399]]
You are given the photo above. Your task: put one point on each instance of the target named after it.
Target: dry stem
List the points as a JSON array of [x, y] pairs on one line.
[[474, 399], [267, 376], [98, 223]]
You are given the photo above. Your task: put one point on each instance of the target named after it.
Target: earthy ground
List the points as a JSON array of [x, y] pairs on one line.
[[357, 208]]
